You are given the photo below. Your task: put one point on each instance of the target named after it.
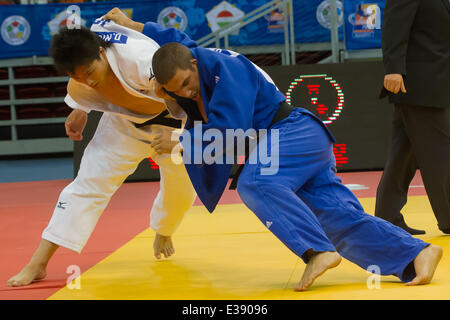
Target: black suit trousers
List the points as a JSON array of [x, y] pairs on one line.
[[420, 140]]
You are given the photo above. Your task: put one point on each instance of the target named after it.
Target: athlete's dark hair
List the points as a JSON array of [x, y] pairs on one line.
[[168, 59], [71, 48]]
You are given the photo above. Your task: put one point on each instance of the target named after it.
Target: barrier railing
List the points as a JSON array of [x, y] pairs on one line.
[[289, 35], [15, 146]]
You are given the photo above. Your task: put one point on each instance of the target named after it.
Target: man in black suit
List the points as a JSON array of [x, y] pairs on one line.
[[416, 55]]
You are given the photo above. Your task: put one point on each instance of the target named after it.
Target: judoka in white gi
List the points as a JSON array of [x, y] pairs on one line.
[[112, 83]]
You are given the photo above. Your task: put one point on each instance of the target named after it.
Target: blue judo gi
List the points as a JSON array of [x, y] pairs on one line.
[[304, 204]]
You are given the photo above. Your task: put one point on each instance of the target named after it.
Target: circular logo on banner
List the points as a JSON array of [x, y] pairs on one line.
[[173, 17], [323, 14], [15, 30]]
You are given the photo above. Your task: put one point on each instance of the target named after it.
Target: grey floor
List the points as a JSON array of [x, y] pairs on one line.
[[36, 169]]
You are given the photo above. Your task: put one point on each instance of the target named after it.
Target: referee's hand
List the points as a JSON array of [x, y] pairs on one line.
[[394, 83]]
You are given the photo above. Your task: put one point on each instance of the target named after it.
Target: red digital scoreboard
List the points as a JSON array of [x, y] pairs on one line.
[[345, 97], [322, 95]]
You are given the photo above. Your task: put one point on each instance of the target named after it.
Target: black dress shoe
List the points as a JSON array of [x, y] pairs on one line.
[[400, 222], [446, 231]]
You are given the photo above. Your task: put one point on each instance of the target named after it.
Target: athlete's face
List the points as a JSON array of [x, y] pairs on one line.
[[94, 73], [185, 83]]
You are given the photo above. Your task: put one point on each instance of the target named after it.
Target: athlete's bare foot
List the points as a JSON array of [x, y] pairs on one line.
[[30, 273], [317, 265], [35, 269], [425, 264], [163, 245]]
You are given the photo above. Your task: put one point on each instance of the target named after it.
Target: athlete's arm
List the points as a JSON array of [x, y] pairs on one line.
[[75, 124], [121, 18], [152, 30], [164, 35]]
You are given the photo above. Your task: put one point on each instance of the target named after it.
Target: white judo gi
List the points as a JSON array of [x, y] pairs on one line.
[[116, 150]]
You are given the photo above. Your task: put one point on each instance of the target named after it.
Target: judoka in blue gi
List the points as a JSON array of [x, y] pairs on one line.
[[304, 203]]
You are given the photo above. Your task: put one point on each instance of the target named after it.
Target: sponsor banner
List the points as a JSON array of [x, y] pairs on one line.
[[44, 21], [275, 21], [27, 30], [222, 15], [363, 21]]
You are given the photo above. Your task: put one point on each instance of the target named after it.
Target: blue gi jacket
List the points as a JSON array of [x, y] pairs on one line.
[[236, 95]]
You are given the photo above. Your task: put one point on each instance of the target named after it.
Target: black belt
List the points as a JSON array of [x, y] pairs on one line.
[[161, 119], [283, 112]]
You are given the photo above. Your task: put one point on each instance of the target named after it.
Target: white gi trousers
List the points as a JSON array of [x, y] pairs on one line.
[[110, 157]]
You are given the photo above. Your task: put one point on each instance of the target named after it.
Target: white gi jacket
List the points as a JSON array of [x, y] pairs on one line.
[[134, 73], [116, 149]]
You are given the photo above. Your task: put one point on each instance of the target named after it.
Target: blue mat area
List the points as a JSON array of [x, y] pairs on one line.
[[36, 169]]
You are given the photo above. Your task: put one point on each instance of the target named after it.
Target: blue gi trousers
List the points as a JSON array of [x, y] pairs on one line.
[[307, 207]]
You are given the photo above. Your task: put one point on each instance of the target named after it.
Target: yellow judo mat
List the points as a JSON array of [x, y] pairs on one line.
[[230, 255]]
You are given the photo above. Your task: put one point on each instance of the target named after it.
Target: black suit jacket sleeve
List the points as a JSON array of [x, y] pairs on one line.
[[398, 19]]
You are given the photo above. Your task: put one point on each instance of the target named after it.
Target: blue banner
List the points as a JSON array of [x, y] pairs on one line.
[[26, 30], [363, 21], [17, 30]]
